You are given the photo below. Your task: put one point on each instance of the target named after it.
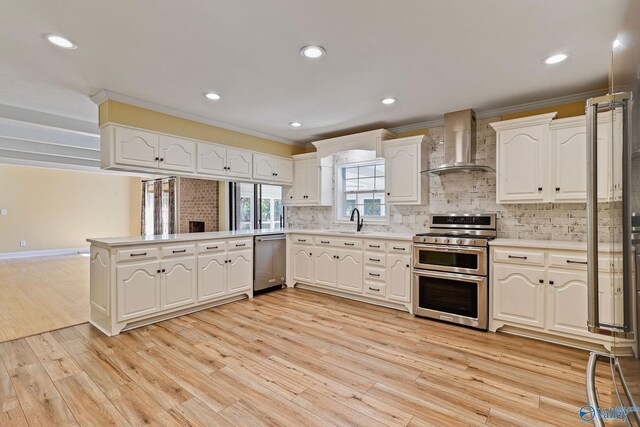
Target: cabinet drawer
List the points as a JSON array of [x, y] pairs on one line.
[[519, 256], [302, 240], [375, 289], [568, 260], [178, 250], [137, 254], [399, 248], [375, 245], [375, 273], [325, 241], [375, 259], [211, 247], [240, 244], [350, 243]]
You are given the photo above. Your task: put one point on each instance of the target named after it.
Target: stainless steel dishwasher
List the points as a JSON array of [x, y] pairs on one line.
[[269, 261]]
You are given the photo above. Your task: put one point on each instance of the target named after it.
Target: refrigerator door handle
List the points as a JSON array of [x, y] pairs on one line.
[[593, 318]]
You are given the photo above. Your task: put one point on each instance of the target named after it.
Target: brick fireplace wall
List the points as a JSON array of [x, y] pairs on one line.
[[197, 201]]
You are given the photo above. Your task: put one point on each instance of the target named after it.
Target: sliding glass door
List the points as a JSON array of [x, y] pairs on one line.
[[255, 206]]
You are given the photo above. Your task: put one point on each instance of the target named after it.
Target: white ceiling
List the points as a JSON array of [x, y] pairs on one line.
[[433, 55]]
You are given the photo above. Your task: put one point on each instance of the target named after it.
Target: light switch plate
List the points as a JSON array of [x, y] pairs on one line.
[[23, 243]]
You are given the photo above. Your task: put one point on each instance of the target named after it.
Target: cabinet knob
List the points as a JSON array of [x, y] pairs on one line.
[[557, 188], [551, 282], [539, 188], [162, 159], [388, 194], [157, 158], [541, 281]]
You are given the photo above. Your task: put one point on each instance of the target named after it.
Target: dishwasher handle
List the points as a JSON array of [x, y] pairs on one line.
[[272, 237]]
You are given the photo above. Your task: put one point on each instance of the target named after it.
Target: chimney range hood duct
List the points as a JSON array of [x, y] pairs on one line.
[[459, 144]]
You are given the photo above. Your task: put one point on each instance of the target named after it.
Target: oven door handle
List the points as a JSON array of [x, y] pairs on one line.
[[465, 277], [445, 248]]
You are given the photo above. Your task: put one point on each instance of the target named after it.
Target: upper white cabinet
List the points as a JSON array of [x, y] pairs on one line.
[[312, 181], [405, 158], [218, 160], [522, 147], [137, 150], [272, 168]]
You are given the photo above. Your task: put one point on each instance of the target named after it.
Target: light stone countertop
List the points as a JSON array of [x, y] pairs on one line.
[[550, 244], [190, 237]]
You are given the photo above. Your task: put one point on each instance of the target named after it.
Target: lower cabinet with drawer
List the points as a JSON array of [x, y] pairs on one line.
[[543, 293], [134, 286], [370, 270]]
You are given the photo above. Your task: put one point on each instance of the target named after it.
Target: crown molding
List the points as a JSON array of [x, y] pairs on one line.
[[538, 119], [495, 112], [105, 94]]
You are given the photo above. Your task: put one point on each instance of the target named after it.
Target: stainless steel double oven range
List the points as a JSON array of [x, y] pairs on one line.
[[451, 269]]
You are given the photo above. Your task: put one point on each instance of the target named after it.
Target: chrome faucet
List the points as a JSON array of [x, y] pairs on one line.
[[359, 222]]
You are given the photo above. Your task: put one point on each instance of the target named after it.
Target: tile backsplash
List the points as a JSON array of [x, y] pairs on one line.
[[473, 192]]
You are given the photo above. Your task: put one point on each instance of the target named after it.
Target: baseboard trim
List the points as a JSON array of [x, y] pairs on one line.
[[47, 252]]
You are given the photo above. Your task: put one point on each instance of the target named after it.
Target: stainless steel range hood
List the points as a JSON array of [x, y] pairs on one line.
[[459, 144]]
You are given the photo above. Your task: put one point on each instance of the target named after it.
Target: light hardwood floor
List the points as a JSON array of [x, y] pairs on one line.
[[42, 293], [291, 357]]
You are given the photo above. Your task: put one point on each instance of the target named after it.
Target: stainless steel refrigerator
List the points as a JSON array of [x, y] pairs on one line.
[[614, 224]]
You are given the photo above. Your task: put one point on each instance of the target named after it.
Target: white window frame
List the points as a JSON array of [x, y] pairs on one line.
[[339, 194]]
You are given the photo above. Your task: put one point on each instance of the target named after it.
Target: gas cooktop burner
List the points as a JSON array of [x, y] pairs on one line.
[[460, 230]]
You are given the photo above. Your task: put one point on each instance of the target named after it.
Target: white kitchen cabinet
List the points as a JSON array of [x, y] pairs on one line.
[[522, 151], [312, 184], [405, 158], [138, 287], [617, 142], [325, 267], [212, 276], [240, 270], [302, 259], [350, 269], [272, 168], [567, 301], [399, 277], [518, 294], [218, 160], [136, 147], [178, 282], [176, 154]]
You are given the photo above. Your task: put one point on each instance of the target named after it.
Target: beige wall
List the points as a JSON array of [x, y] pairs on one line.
[[58, 209]]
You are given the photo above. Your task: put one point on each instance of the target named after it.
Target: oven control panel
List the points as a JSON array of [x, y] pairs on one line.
[[454, 241]]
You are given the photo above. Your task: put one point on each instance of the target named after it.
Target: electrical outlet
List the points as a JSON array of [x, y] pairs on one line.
[[3, 212], [23, 243]]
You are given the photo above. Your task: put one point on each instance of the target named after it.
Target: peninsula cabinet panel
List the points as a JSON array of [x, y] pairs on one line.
[[212, 159], [177, 154], [178, 282], [239, 271], [136, 148], [239, 163], [272, 169], [302, 258], [518, 294], [212, 276], [138, 289]]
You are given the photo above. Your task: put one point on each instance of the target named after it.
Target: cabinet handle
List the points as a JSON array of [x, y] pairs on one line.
[[302, 240], [388, 194], [557, 189], [576, 262], [324, 241], [374, 274], [374, 246], [374, 259], [398, 249], [540, 281], [276, 174], [159, 271], [407, 265], [310, 254], [539, 188], [162, 159], [212, 247], [349, 244], [517, 257], [374, 289], [180, 251], [551, 282], [157, 158], [337, 257], [139, 254], [164, 271], [238, 245]]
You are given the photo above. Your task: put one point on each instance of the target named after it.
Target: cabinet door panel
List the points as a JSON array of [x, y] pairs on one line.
[[240, 271], [518, 295], [239, 163], [138, 290], [571, 163], [212, 276], [399, 278], [402, 173], [522, 166], [300, 183], [178, 282], [312, 181], [284, 170], [350, 270], [177, 154], [325, 266], [302, 257], [211, 159], [136, 148], [567, 304], [263, 167]]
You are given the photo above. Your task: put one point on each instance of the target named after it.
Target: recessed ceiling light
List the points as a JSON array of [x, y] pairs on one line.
[[555, 59], [61, 41], [388, 101], [617, 43], [212, 96], [312, 52], [295, 124]]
